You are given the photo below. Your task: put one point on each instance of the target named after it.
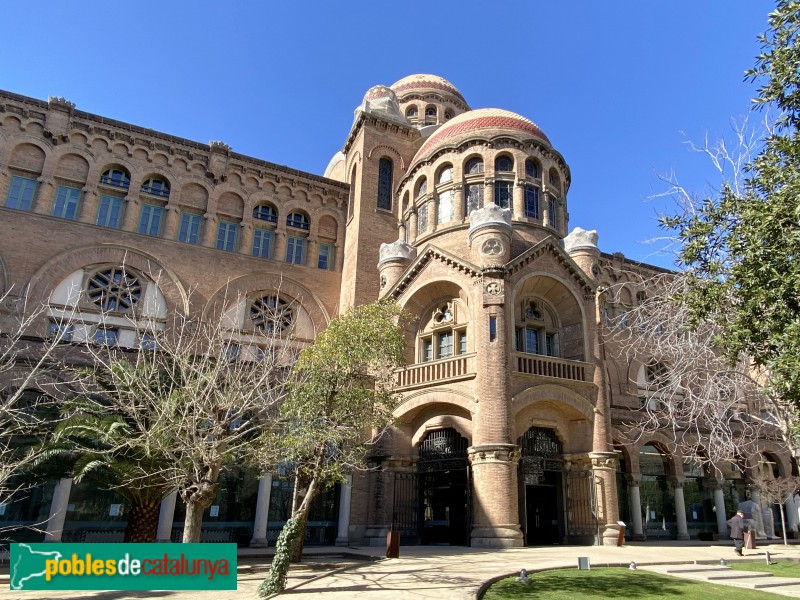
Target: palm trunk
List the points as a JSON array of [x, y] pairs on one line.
[[142, 524]]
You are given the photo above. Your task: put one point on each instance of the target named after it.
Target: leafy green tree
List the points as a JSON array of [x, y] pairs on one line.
[[339, 403], [741, 247]]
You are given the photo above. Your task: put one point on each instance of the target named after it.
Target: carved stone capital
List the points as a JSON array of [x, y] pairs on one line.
[[494, 453]]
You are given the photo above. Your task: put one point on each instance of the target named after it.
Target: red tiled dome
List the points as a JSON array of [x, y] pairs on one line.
[[479, 120], [425, 83]]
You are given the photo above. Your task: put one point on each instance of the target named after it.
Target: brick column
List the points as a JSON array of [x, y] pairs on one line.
[[209, 231], [246, 239], [171, 222], [43, 196], [87, 209]]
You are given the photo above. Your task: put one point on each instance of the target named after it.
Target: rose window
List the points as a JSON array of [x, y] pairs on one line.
[[114, 289], [271, 314]]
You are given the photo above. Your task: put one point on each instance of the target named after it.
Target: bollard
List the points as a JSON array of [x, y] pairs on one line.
[[393, 544]]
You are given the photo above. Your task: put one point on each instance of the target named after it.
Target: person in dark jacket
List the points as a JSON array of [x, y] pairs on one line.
[[736, 523]]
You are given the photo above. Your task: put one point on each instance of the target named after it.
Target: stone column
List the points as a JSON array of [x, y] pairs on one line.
[[488, 191], [458, 203], [262, 512], [604, 459], [636, 507], [791, 513], [246, 239], [166, 516], [58, 510], [412, 226], [495, 522], [345, 494], [519, 200], [433, 213], [719, 505], [87, 209], [680, 509], [43, 196]]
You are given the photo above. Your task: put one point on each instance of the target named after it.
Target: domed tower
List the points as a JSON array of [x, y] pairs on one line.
[[427, 100], [478, 158], [389, 128]]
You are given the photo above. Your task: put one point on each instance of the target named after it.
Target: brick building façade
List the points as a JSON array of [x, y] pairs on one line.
[[510, 430]]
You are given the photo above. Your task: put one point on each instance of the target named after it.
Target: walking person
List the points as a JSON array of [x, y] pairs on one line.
[[736, 524]]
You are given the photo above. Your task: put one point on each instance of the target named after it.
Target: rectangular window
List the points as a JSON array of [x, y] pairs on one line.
[[61, 332], [552, 344], [492, 328], [262, 242], [502, 193], [531, 202], [531, 340], [462, 342], [66, 204], [427, 349], [226, 236], [422, 219], [150, 219], [551, 212], [189, 231], [473, 199], [106, 336], [446, 208], [324, 256], [295, 250], [445, 344], [109, 213], [20, 193]]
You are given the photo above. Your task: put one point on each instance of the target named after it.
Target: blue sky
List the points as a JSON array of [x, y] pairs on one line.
[[618, 87]]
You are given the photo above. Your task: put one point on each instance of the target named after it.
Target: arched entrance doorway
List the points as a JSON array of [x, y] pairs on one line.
[[444, 488], [542, 483]]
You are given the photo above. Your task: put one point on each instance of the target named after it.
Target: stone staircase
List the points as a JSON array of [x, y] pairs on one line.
[[724, 575]]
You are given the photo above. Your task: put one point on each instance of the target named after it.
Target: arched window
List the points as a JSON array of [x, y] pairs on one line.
[[385, 168], [156, 186], [116, 177], [445, 334], [114, 289], [448, 114], [265, 212], [554, 179], [430, 115], [537, 329], [445, 174], [412, 112], [504, 164], [422, 188], [532, 169], [298, 220], [474, 166], [271, 314]]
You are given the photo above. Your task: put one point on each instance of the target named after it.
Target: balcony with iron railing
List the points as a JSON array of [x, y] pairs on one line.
[[454, 368], [549, 366]]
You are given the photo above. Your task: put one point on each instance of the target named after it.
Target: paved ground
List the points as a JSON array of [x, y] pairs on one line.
[[421, 572]]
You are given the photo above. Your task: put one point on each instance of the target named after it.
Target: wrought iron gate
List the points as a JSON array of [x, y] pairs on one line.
[[405, 507]]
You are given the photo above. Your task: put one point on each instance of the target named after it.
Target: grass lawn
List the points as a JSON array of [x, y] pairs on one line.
[[783, 568], [565, 584]]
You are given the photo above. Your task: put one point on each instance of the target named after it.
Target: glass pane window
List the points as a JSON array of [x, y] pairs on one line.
[[504, 164], [427, 349], [61, 332], [445, 344], [66, 204], [474, 166], [462, 342], [20, 193], [324, 256], [422, 189], [106, 336], [295, 250], [502, 193], [189, 231], [446, 208], [109, 213], [552, 344], [532, 169], [148, 341], [473, 199], [156, 187], [226, 236], [531, 340], [445, 175], [298, 220], [262, 242], [531, 202], [116, 177], [422, 218], [265, 212], [551, 212], [150, 219], [385, 184]]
